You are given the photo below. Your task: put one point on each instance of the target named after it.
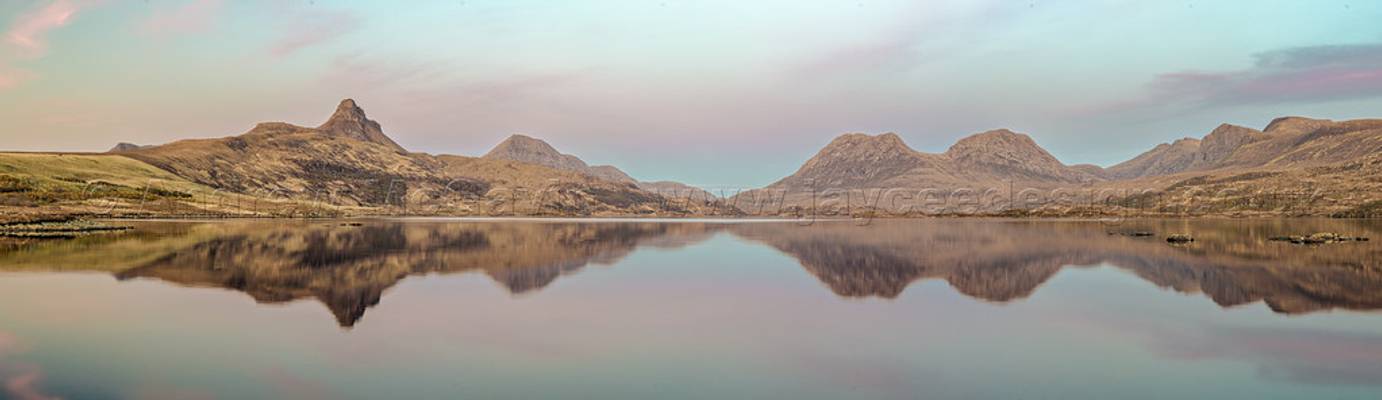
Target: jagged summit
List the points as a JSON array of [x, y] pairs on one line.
[[350, 121], [1222, 141]]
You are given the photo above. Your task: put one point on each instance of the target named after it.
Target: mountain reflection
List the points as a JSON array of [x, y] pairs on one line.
[[1233, 262], [348, 268]]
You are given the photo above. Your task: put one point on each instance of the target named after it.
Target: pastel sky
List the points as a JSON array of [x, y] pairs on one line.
[[714, 93]]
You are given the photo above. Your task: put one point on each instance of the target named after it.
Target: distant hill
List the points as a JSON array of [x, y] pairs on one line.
[[531, 150], [123, 147]]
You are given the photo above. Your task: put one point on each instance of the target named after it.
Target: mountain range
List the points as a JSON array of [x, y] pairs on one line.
[[1294, 166], [348, 166]]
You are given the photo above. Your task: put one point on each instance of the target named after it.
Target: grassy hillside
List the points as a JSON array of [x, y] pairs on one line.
[[57, 176], [34, 185]]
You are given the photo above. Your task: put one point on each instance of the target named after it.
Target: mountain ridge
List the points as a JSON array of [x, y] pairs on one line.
[[349, 161], [524, 148]]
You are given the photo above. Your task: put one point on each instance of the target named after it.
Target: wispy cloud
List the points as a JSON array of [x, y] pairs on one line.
[[27, 36], [910, 41], [190, 17], [314, 28], [1291, 75], [28, 32]]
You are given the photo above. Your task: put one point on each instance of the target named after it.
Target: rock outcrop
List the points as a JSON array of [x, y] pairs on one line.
[[350, 121]]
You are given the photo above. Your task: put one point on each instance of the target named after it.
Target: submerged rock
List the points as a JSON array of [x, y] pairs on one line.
[[1318, 238], [1134, 233], [1180, 238]]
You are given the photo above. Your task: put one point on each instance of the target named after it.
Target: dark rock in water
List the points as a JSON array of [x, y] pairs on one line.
[[1133, 233], [1319, 238], [1180, 238]]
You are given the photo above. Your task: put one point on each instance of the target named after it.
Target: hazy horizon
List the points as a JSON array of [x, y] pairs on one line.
[[707, 93]]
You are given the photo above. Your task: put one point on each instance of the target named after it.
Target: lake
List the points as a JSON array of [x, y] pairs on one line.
[[624, 309]]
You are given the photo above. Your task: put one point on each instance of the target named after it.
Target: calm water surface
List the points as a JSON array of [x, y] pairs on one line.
[[605, 310]]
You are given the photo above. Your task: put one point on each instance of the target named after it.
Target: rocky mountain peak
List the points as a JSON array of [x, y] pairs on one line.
[[523, 148], [864, 147], [857, 159], [1224, 140], [994, 140], [350, 121], [1006, 152], [1015, 156]]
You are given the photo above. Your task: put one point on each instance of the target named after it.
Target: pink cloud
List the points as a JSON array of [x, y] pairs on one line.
[[1301, 74], [313, 29], [28, 35], [191, 17], [29, 30]]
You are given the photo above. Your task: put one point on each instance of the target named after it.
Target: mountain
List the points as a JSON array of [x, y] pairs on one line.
[[1286, 142], [1334, 168], [855, 162], [348, 165], [349, 121], [1189, 154], [1294, 166], [858, 160], [123, 147], [1009, 156], [1164, 159], [530, 150], [348, 161], [523, 148]]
